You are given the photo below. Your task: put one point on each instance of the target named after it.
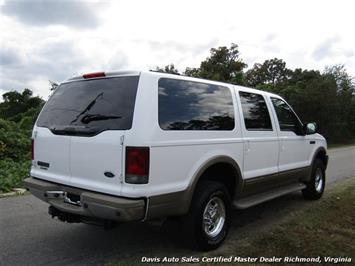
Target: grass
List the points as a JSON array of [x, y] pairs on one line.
[[327, 228]]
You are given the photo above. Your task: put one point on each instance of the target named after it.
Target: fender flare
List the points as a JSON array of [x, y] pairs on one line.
[[315, 154], [317, 151], [201, 170]]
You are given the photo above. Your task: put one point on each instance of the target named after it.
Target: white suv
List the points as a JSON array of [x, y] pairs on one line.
[[136, 146]]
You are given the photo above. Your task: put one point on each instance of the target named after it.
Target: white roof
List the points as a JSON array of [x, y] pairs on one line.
[[174, 76]]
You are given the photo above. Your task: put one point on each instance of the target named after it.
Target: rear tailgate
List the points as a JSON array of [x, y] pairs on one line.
[[51, 156], [80, 129], [96, 162]]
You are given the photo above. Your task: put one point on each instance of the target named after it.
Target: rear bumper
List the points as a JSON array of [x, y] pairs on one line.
[[92, 204]]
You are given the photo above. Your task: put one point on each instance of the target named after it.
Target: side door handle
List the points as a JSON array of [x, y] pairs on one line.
[[247, 146], [282, 145], [312, 142]]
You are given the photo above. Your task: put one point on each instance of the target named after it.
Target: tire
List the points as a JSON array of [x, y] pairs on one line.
[[210, 198], [315, 187]]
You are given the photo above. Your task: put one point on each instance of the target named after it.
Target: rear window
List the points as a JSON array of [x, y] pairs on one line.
[[255, 112], [98, 105], [188, 105]]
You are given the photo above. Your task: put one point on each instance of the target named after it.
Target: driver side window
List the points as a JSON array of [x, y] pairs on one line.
[[288, 121]]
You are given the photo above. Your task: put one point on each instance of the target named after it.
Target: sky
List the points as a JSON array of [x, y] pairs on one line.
[[42, 40]]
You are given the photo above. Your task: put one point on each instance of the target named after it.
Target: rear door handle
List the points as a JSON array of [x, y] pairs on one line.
[[247, 146], [312, 142], [282, 145]]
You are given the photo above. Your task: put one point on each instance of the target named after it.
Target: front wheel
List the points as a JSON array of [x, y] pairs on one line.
[[315, 187], [207, 223]]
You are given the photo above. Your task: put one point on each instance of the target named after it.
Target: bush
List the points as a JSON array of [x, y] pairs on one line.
[[15, 143], [12, 173], [15, 149]]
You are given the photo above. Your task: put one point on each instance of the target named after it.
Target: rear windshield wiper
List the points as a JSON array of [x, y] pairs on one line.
[[73, 130], [86, 119], [88, 107]]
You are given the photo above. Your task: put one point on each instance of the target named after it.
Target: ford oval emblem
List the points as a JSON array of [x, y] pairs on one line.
[[109, 174]]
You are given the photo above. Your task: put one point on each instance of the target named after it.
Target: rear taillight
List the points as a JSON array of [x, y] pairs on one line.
[[94, 75], [32, 149], [137, 165]]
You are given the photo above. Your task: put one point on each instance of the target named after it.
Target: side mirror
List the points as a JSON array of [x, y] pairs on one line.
[[311, 128]]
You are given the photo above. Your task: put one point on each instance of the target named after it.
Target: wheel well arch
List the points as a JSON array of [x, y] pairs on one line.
[[221, 169], [222, 172], [321, 154]]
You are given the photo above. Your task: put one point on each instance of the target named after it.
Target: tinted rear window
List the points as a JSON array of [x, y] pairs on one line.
[[188, 105], [255, 112], [100, 103]]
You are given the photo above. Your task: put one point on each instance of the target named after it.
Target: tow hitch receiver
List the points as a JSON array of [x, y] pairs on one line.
[[73, 218], [67, 197]]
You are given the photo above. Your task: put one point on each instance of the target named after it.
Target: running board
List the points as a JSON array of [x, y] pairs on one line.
[[265, 196]]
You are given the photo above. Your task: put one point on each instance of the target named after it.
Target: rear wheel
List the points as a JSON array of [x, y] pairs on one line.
[[315, 187], [207, 223]]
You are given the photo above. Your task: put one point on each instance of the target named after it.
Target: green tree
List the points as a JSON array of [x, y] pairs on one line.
[[168, 69], [272, 72], [14, 142], [343, 80], [345, 98], [312, 95], [316, 96], [16, 103], [18, 113], [326, 98], [223, 64]]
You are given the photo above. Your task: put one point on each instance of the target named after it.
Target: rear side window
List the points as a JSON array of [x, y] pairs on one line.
[[255, 112], [288, 121], [98, 105], [187, 105]]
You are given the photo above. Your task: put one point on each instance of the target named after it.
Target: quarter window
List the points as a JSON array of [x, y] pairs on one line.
[[255, 112], [188, 105], [288, 121]]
